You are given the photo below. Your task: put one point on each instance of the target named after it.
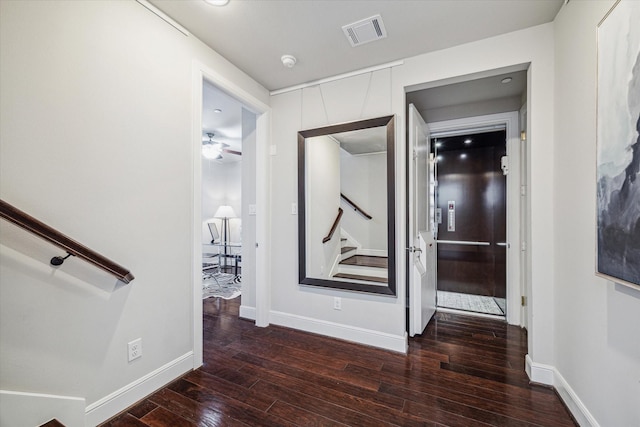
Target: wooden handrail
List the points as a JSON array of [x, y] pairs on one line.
[[42, 230], [356, 207], [333, 227]]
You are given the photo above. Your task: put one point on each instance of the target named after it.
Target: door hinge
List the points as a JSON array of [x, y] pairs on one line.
[[523, 136], [523, 190], [523, 301], [523, 246]]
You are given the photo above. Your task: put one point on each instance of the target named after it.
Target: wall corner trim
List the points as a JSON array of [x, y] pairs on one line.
[[247, 312], [397, 343], [166, 18], [549, 375], [121, 399]]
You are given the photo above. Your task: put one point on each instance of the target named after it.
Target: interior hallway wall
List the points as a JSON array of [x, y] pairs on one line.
[[596, 338], [364, 181], [248, 232], [378, 320], [96, 140], [221, 185]]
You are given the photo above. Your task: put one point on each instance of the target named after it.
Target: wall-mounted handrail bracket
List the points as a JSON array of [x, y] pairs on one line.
[[58, 260], [55, 237]]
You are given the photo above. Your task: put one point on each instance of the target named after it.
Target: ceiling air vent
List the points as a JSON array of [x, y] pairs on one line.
[[365, 31]]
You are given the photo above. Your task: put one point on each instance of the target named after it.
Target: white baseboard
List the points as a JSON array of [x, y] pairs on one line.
[[120, 400], [248, 312], [538, 372], [549, 375], [573, 402], [18, 409], [382, 340]]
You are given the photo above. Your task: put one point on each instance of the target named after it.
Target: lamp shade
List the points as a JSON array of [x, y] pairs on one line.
[[225, 211]]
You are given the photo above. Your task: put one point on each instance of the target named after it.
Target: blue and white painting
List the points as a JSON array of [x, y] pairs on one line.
[[618, 133]]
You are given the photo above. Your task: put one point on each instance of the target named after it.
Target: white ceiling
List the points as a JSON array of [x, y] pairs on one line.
[[254, 34], [480, 96], [225, 124]]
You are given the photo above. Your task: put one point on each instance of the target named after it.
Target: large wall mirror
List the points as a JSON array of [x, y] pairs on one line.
[[346, 206]]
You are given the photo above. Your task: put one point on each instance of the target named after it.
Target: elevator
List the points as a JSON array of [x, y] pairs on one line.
[[471, 207]]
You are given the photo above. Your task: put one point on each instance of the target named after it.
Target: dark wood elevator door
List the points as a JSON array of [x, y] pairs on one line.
[[470, 176]]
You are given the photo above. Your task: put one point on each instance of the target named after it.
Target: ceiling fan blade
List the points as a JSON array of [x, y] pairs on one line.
[[237, 153]]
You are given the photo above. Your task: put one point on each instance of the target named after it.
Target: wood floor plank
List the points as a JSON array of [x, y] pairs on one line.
[[124, 420], [161, 417], [322, 407], [189, 409], [435, 379], [306, 364], [299, 416], [230, 389], [462, 371], [227, 406], [315, 346], [267, 370], [142, 408], [353, 398], [473, 406]]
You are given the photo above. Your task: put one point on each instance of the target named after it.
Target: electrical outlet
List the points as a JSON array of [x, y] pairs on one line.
[[135, 349], [337, 303]]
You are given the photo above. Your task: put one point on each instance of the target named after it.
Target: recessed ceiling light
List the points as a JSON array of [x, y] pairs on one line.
[[217, 2], [463, 156], [438, 144], [467, 141], [506, 80], [217, 110]]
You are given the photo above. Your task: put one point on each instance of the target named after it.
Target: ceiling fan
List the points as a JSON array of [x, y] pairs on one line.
[[213, 150]]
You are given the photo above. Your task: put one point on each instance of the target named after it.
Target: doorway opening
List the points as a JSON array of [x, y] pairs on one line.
[[254, 257], [228, 155], [478, 194], [471, 208]]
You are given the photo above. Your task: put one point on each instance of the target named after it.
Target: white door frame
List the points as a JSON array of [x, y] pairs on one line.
[[263, 187], [510, 120]]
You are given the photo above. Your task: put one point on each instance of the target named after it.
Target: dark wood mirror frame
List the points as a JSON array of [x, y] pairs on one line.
[[390, 289]]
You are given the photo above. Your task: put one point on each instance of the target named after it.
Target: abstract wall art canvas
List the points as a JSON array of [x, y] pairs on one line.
[[618, 145]]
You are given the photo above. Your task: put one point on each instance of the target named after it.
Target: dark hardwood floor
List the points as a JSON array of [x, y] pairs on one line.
[[463, 371]]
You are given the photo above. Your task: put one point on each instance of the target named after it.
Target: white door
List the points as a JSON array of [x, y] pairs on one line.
[[422, 258]]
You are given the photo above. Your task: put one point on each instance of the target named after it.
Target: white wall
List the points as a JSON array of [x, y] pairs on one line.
[[367, 318], [364, 180], [221, 185], [349, 99], [322, 170], [248, 234], [596, 332], [96, 114]]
